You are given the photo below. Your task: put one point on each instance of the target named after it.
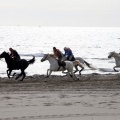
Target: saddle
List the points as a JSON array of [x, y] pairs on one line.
[[71, 58]]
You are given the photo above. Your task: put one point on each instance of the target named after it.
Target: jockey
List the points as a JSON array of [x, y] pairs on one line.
[[68, 54], [58, 54], [16, 57]]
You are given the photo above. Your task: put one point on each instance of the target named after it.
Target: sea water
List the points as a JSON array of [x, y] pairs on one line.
[[92, 44]]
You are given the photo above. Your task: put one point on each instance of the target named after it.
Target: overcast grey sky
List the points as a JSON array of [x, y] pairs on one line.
[[81, 13]]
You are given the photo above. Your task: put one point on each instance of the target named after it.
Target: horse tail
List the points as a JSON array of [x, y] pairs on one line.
[[90, 66], [32, 60]]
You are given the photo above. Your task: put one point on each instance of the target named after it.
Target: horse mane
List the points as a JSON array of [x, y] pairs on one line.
[[6, 53], [118, 55], [52, 55], [115, 53]]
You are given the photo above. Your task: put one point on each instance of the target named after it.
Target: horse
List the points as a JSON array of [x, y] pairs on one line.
[[23, 64], [117, 59], [82, 64], [54, 66]]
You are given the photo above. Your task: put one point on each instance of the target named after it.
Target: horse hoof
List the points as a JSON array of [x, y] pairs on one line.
[[45, 80], [14, 74], [80, 73]]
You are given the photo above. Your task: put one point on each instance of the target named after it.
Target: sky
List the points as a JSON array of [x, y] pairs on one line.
[[60, 13]]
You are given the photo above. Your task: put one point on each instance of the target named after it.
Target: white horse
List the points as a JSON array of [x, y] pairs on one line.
[[82, 64], [117, 59], [54, 66]]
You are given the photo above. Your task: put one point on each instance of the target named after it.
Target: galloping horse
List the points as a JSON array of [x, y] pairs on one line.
[[82, 64], [117, 59], [54, 66], [23, 64]]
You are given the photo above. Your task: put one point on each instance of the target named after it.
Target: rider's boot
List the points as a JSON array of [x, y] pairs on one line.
[[64, 68], [63, 65]]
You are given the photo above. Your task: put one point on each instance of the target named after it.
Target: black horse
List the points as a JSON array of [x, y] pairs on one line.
[[23, 64]]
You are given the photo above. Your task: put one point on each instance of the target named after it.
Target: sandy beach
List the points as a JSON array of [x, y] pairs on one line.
[[93, 97]]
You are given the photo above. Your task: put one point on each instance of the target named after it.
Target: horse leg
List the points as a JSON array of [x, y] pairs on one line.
[[48, 73], [81, 71], [8, 73], [76, 69], [14, 74], [115, 69], [77, 63], [19, 75], [74, 76], [70, 75], [24, 75], [82, 68]]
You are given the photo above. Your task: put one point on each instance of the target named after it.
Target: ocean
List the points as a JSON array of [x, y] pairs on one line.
[[93, 44]]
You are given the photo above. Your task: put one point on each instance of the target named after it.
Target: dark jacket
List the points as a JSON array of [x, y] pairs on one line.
[[69, 55], [15, 55]]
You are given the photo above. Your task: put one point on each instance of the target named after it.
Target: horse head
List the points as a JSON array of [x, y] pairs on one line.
[[4, 55], [111, 54], [45, 57], [7, 57]]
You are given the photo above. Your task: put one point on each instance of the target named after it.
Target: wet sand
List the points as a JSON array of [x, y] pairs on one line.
[[93, 97]]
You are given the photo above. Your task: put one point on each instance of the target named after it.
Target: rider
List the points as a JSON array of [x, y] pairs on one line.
[[16, 57], [69, 54], [58, 54]]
